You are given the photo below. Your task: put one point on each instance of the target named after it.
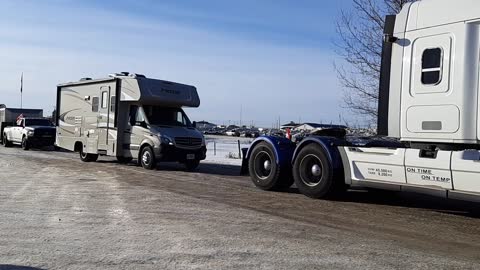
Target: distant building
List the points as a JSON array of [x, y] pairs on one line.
[[314, 126], [232, 127], [204, 125], [290, 125]]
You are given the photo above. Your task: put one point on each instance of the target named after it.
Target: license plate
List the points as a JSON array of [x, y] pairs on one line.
[[190, 156]]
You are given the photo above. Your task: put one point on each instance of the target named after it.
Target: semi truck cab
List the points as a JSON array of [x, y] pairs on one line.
[[428, 121]]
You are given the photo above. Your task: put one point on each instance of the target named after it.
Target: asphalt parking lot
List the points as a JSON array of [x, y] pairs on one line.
[[59, 213]]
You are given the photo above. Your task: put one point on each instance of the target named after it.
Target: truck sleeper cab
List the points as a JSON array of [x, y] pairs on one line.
[[428, 109], [130, 117]]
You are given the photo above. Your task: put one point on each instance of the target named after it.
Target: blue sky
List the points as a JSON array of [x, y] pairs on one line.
[[271, 58]]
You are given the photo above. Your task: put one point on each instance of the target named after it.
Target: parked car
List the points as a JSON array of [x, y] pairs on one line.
[[233, 132]]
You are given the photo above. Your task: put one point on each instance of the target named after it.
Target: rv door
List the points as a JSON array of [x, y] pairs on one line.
[[104, 121]]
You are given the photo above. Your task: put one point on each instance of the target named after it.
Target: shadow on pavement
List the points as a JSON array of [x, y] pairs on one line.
[[376, 197], [209, 168], [412, 200], [17, 267]]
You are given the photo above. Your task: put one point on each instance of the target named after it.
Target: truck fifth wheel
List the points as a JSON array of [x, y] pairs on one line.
[[129, 116], [428, 112]]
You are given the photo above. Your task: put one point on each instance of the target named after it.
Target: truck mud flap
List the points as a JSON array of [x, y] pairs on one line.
[[244, 169]]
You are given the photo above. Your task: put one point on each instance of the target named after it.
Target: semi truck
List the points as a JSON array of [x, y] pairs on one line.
[[129, 116], [8, 117], [428, 117]]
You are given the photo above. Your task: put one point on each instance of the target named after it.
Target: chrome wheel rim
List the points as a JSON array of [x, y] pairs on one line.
[[311, 170], [146, 158], [262, 165]]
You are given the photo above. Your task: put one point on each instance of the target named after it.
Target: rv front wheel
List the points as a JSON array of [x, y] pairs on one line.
[[147, 158], [85, 157]]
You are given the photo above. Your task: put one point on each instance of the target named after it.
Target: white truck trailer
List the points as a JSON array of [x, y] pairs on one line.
[[429, 107], [129, 116]]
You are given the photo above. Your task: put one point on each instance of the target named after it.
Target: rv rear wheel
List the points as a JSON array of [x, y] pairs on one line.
[[85, 157], [147, 158], [6, 142], [264, 170], [25, 144], [314, 174], [192, 164]]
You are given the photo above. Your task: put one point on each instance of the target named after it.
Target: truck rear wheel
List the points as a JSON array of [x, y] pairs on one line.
[[85, 157], [147, 158], [264, 171], [25, 144], [313, 173], [6, 142]]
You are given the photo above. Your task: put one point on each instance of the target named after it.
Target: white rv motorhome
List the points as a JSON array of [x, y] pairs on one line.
[[429, 102], [130, 117]]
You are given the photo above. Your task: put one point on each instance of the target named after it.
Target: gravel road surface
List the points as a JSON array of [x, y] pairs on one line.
[[59, 213]]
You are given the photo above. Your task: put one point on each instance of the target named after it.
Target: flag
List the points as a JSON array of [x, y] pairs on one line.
[[21, 84], [19, 119]]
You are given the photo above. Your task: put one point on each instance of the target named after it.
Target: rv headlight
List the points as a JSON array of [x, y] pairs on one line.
[[30, 133], [166, 140]]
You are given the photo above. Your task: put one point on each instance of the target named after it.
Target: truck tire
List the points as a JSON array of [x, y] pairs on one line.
[[264, 171], [25, 144], [6, 142], [314, 174], [124, 160], [147, 158], [191, 165], [85, 157]]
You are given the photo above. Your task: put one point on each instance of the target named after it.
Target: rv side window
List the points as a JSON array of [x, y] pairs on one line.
[[94, 104], [432, 60], [104, 99], [112, 104]]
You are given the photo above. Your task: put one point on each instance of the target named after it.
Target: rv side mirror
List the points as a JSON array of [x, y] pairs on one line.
[[194, 124]]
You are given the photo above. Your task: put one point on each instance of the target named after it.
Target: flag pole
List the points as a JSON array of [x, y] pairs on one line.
[[21, 92]]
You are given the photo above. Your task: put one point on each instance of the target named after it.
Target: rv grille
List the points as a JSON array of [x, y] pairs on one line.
[[186, 141]]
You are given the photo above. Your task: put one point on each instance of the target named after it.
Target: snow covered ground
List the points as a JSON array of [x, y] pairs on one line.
[[224, 149]]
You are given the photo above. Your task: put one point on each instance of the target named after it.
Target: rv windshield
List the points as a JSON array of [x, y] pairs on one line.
[[164, 116], [38, 122]]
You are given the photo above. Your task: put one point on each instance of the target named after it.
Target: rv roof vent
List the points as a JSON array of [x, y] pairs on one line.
[[124, 73], [85, 79]]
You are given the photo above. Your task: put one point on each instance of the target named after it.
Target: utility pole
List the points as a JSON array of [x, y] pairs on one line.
[[241, 112], [21, 92]]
